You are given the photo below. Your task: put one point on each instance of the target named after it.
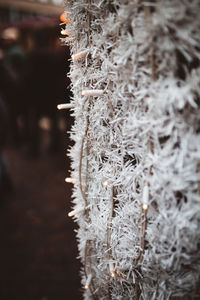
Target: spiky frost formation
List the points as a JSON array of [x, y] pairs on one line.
[[141, 136]]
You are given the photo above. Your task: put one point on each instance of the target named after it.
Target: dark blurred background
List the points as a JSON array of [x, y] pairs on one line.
[[37, 241]]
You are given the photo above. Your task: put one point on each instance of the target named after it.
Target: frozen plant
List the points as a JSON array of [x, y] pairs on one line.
[[136, 158]]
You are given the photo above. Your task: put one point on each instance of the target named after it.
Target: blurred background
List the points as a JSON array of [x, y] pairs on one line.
[[37, 241]]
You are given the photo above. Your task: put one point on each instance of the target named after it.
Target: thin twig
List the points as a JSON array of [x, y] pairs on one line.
[[142, 233], [144, 212], [108, 231], [80, 167], [84, 192], [89, 21], [198, 188], [149, 30], [87, 258], [110, 106], [80, 172], [92, 287], [110, 220]]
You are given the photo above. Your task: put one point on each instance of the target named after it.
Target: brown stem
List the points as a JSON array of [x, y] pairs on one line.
[[108, 232], [110, 221], [198, 187], [83, 193], [110, 106], [86, 256], [149, 29], [89, 22], [142, 233], [80, 172]]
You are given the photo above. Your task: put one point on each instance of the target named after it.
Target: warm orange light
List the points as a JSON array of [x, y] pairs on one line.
[[64, 18]]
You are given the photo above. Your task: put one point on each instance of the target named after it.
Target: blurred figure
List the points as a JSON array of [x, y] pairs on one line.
[[12, 66], [33, 72], [13, 54], [45, 86]]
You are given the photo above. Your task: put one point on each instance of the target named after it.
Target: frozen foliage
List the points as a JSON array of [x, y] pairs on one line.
[[136, 154]]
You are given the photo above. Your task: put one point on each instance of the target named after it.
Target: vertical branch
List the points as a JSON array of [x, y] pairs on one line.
[[149, 143], [142, 234], [110, 221], [87, 164], [110, 106], [81, 160], [147, 12], [108, 235], [84, 193], [198, 187], [89, 22], [86, 256], [143, 219], [80, 172], [137, 290]]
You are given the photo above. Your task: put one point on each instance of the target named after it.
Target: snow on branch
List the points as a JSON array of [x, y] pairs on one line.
[[136, 158]]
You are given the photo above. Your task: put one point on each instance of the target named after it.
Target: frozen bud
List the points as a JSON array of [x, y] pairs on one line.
[[107, 182], [74, 212], [70, 180], [92, 92], [144, 206], [111, 270], [145, 197], [65, 106], [65, 32], [88, 281], [79, 55]]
